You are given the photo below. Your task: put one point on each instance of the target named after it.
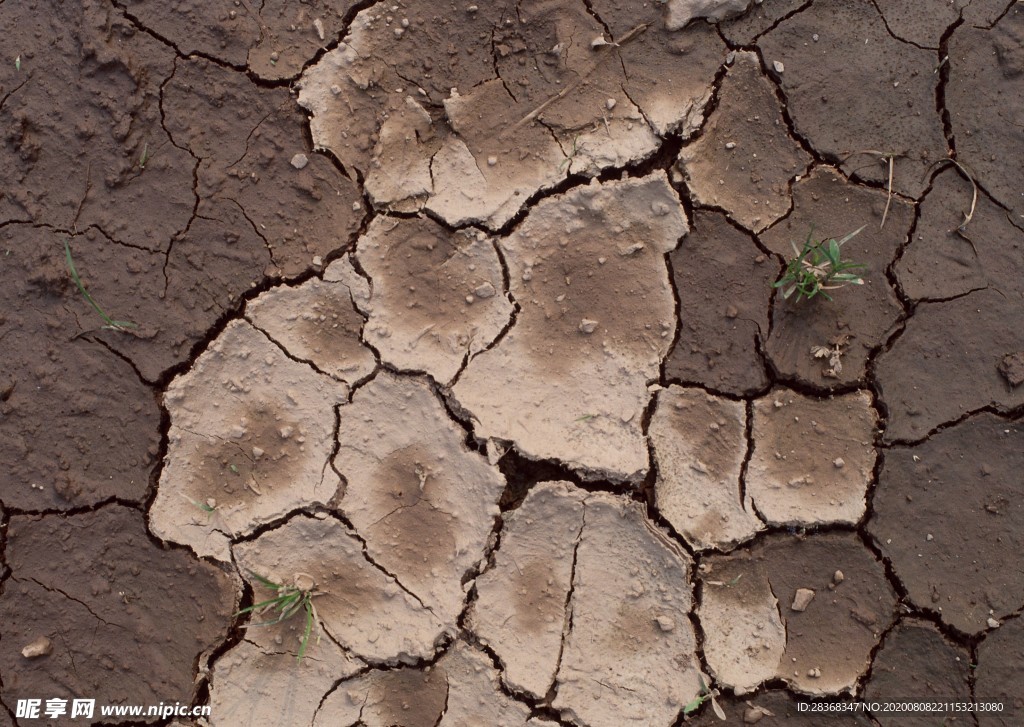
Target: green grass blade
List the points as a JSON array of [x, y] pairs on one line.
[[258, 606], [265, 581], [308, 631], [852, 235], [85, 293]]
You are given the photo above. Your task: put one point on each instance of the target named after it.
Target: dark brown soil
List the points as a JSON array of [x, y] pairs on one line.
[[948, 514], [77, 426], [858, 318], [917, 664], [1000, 660], [723, 282], [126, 618]]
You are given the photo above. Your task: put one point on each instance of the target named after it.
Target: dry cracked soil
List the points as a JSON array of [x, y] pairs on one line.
[[453, 328]]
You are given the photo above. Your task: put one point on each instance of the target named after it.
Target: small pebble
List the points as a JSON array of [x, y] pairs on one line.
[[752, 715], [730, 145], [609, 104], [665, 623], [588, 326], [838, 577], [43, 647], [992, 623], [778, 66], [491, 161], [299, 161], [838, 463], [802, 599]]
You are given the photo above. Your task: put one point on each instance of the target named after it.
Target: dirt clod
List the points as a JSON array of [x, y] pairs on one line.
[[1012, 368], [41, 646], [802, 599]]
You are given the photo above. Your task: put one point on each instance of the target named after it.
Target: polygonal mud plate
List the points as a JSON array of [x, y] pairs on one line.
[[250, 438], [808, 611], [628, 655], [437, 297], [813, 458], [569, 380], [699, 442], [359, 606], [521, 607], [947, 512], [460, 690], [423, 502]]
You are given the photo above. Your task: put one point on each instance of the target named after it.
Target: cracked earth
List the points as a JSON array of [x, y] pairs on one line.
[[465, 315]]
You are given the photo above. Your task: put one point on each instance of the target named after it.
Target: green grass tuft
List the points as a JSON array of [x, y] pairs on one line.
[[819, 267], [289, 601]]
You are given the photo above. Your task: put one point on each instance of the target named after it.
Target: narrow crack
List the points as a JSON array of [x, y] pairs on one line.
[[86, 606], [748, 434], [497, 71], [444, 709], [1008, 414], [780, 21], [255, 228], [290, 355], [893, 34], [943, 69], [343, 519], [141, 27], [1002, 15], [569, 609]]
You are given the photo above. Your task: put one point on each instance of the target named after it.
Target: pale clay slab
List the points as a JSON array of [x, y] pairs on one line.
[[361, 607], [699, 442], [250, 438], [813, 459], [520, 611], [423, 502], [317, 322], [462, 686], [629, 658], [569, 380], [437, 297]]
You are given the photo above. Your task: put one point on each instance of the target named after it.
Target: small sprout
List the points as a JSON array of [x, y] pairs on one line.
[[818, 267], [288, 601], [17, 63], [207, 507], [110, 323], [705, 695], [571, 156], [586, 417], [233, 468], [144, 157]]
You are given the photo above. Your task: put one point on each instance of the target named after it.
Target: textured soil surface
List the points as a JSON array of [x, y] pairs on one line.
[[456, 325]]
